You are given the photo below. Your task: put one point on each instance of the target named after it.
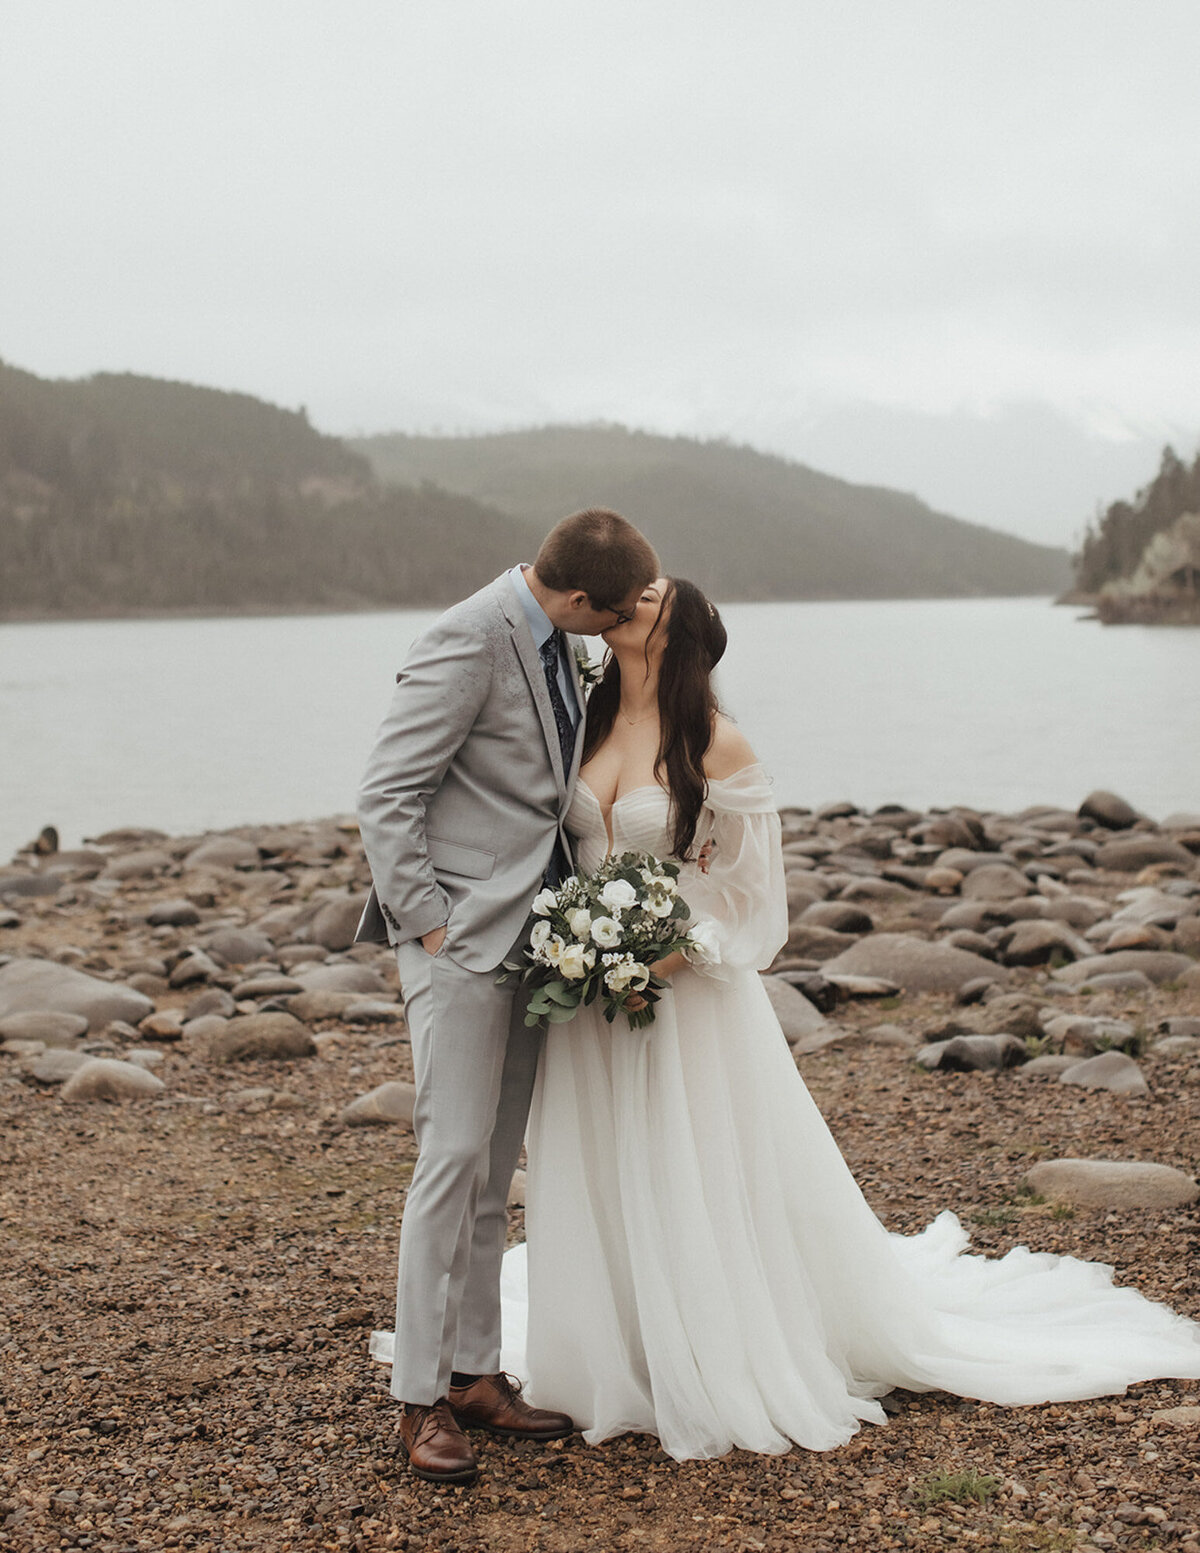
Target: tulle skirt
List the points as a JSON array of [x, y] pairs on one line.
[[701, 1265]]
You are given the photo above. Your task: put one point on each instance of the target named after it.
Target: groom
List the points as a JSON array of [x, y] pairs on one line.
[[461, 812]]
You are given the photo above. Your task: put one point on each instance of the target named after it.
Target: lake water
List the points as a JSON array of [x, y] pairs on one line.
[[998, 703]]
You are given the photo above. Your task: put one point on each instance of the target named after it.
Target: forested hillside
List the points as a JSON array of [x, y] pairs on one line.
[[1115, 544], [744, 524], [122, 494]]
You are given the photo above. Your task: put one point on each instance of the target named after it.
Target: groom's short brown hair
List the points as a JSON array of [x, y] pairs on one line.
[[598, 552]]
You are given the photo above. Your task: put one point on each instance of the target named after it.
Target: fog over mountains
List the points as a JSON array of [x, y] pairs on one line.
[[122, 494]]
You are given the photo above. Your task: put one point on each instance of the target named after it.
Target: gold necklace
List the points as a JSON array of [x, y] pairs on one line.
[[634, 721]]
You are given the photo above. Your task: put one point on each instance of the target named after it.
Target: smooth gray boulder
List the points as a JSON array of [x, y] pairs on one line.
[[1110, 1070], [336, 922], [342, 978], [55, 1066], [223, 852], [1131, 855], [265, 987], [1035, 943], [1048, 1065], [1110, 1183], [995, 882], [50, 1027], [812, 942], [1149, 907], [841, 916], [1109, 810], [372, 1011], [389, 1103], [315, 1006], [239, 945], [973, 1053], [143, 864], [1158, 965], [104, 1078], [29, 986], [804, 1027], [273, 1037], [915, 964], [194, 967], [174, 913]]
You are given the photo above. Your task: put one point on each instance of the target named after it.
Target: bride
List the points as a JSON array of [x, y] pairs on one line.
[[700, 1263]]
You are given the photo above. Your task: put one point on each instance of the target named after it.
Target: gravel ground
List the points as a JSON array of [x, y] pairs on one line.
[[191, 1280]]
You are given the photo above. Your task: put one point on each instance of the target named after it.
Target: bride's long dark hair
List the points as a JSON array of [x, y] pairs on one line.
[[687, 704]]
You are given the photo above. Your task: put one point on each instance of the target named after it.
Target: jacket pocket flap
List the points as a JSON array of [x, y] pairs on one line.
[[451, 857]]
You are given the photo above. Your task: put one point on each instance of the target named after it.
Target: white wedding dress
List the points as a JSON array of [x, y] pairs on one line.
[[700, 1264]]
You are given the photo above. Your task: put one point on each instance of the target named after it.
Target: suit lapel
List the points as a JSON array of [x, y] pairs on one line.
[[532, 665]]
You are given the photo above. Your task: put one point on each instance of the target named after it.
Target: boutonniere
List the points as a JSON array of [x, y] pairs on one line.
[[590, 673]]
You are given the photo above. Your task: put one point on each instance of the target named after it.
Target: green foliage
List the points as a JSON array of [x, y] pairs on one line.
[[1062, 1210], [750, 525], [1115, 544], [124, 495], [968, 1487], [993, 1218]]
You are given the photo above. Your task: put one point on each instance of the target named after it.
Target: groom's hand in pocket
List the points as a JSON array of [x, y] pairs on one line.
[[433, 940]]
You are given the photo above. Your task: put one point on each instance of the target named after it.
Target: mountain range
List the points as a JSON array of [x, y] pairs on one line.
[[126, 495]]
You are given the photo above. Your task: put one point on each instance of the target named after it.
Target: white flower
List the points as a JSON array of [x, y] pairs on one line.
[[703, 946], [618, 894], [539, 934], [580, 922], [606, 932], [658, 905], [572, 962], [543, 903], [663, 884], [552, 949], [626, 972]]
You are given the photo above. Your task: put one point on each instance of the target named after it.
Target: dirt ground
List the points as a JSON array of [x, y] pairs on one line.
[[190, 1283]]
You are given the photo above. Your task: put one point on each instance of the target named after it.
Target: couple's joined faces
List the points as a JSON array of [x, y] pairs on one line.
[[587, 619], [648, 607]]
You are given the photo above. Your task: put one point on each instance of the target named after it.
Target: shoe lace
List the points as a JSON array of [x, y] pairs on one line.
[[437, 1416], [510, 1385]]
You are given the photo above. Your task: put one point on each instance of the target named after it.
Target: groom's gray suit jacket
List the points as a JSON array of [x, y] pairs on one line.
[[464, 792]]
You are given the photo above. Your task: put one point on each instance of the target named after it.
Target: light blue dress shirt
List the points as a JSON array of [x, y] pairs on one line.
[[541, 627]]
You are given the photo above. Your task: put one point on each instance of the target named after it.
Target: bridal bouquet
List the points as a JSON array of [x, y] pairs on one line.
[[597, 936]]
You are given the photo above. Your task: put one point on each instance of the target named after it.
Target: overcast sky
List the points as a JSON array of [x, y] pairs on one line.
[[944, 244]]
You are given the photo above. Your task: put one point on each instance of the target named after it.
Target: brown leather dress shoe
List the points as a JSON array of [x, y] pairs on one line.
[[436, 1447], [493, 1402]]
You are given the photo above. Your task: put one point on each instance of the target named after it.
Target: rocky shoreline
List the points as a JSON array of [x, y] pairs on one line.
[[205, 1092]]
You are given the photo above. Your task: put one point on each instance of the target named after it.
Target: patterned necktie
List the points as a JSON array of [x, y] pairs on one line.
[[562, 718]]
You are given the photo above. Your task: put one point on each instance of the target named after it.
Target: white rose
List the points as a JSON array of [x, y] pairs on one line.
[[657, 906], [703, 947], [618, 977], [572, 962], [539, 934], [618, 894], [543, 903], [606, 932], [552, 949], [580, 922]]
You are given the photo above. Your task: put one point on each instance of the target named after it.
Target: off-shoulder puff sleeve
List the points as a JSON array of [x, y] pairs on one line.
[[743, 895]]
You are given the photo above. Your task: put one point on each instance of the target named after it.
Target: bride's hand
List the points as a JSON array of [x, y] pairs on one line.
[[663, 970]]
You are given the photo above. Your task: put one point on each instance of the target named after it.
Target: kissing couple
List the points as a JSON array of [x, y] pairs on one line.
[[700, 1264]]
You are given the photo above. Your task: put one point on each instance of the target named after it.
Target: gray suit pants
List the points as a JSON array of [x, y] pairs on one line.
[[474, 1063]]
